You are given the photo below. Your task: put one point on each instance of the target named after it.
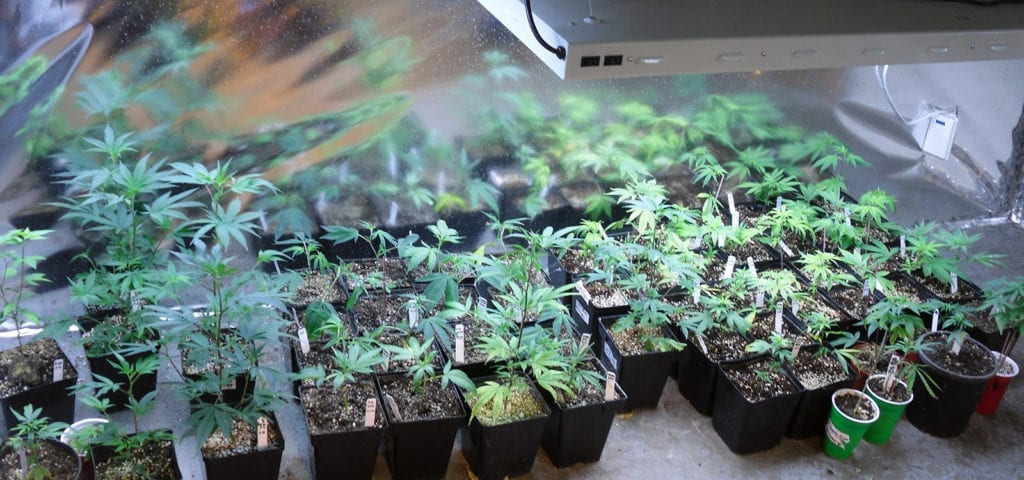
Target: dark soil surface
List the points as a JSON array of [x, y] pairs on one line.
[[31, 365], [982, 320], [905, 288], [749, 212], [816, 304], [61, 464], [156, 459], [243, 440], [574, 262], [815, 371], [318, 354], [522, 404], [590, 393], [603, 296], [359, 270], [851, 300], [973, 359], [349, 213], [748, 379], [899, 393], [372, 311], [764, 325], [723, 345], [965, 292], [578, 193], [855, 406], [429, 403], [318, 285], [400, 339], [329, 410], [750, 249], [472, 333]]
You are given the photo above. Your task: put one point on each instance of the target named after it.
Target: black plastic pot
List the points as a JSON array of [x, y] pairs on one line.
[[578, 434], [813, 409], [257, 465], [642, 377], [506, 450], [101, 454], [54, 398], [420, 448], [585, 314], [101, 365], [947, 414], [346, 454], [64, 448], [745, 426], [695, 378]]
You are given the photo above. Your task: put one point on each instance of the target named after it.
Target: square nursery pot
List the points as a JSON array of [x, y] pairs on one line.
[[54, 398], [813, 409], [349, 453], [697, 374], [957, 393], [417, 449], [585, 312], [102, 454], [642, 377], [255, 465], [577, 433], [745, 425], [505, 450], [101, 365], [967, 291]]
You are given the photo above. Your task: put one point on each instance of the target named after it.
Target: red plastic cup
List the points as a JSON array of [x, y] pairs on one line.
[[996, 387]]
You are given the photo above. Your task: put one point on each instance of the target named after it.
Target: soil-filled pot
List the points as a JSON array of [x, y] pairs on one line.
[[960, 380], [1006, 369], [577, 430], [154, 460], [890, 405], [820, 377], [852, 413], [245, 460], [593, 301], [60, 460], [421, 433], [88, 471], [642, 375], [698, 366], [508, 447], [750, 413], [101, 365], [26, 378], [343, 446]]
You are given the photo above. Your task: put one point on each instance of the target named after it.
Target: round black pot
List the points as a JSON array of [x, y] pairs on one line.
[[65, 449], [258, 465], [578, 434], [506, 450], [947, 414], [642, 377], [745, 426]]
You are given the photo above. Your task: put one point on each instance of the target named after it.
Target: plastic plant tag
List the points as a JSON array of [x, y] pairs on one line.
[[393, 213], [955, 349], [721, 240], [730, 265], [751, 267], [460, 343], [262, 433], [233, 384], [954, 283], [387, 359], [303, 340], [582, 291], [58, 369], [609, 386], [878, 285], [732, 203], [735, 219], [481, 303], [778, 318], [778, 203], [696, 292], [796, 307], [696, 242], [935, 320], [759, 298], [414, 317], [890, 373], [785, 248], [703, 346], [796, 349], [519, 314], [867, 288], [846, 213], [371, 412], [856, 251], [903, 246], [584, 341]]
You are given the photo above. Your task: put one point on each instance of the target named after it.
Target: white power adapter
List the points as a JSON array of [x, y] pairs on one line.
[[935, 133]]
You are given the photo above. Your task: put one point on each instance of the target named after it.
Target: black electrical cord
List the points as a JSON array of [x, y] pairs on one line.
[[559, 52]]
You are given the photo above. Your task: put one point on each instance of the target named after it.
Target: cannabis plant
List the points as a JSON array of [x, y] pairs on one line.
[[16, 283], [27, 439]]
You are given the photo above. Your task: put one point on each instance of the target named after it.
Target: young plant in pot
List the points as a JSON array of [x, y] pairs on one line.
[[33, 452], [1004, 300], [942, 276], [821, 372], [232, 395], [755, 398], [383, 272], [852, 414], [113, 451], [320, 277], [894, 389], [344, 423], [35, 372]]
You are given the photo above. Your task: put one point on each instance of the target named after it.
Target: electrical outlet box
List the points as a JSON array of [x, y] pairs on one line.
[[935, 136]]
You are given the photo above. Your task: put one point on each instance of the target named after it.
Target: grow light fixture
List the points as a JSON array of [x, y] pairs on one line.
[[631, 38]]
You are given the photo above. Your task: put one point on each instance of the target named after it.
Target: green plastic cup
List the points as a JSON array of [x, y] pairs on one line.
[[843, 432], [889, 414]]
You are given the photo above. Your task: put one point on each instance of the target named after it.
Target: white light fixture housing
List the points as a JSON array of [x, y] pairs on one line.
[[631, 38]]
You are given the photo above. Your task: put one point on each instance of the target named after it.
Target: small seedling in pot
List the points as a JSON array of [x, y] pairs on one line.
[[27, 439]]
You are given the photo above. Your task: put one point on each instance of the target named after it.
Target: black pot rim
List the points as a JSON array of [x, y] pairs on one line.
[[923, 355]]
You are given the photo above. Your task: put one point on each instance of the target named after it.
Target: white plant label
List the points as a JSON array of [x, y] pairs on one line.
[[890, 373], [393, 213], [867, 288], [582, 291], [233, 384], [954, 283], [759, 298], [584, 341], [721, 240], [387, 359], [696, 242], [778, 203], [751, 267], [878, 285], [481, 303], [519, 315], [371, 412], [303, 340], [796, 307], [935, 320], [735, 219], [785, 248], [696, 292], [609, 386], [414, 317], [846, 213], [262, 433], [903, 246], [796, 350], [730, 265], [460, 343], [956, 347], [732, 203], [58, 369], [703, 346], [856, 251], [778, 318]]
